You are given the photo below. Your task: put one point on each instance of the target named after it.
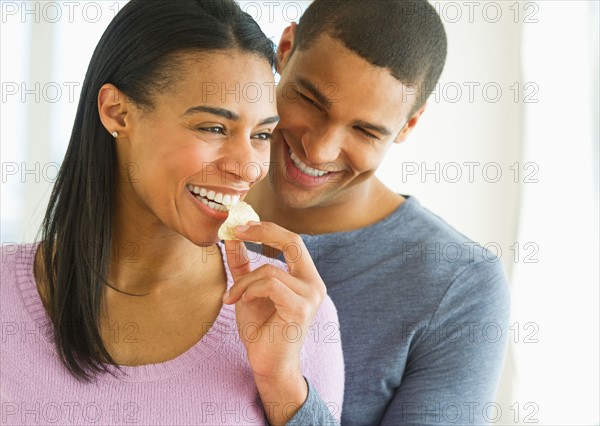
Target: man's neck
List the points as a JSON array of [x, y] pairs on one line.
[[375, 205]]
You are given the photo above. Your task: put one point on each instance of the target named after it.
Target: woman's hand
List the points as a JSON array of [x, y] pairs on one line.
[[274, 311]]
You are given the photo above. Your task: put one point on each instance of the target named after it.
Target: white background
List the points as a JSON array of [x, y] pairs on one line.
[[519, 96]]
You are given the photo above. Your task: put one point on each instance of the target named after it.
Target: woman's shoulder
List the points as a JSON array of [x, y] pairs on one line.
[[17, 285], [15, 255]]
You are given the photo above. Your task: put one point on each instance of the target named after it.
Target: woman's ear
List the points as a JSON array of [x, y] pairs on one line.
[[410, 124], [113, 109], [286, 46]]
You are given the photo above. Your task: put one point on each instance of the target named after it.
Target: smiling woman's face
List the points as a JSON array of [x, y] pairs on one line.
[[207, 138]]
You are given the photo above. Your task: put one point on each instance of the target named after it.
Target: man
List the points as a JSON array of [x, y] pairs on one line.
[[423, 310]]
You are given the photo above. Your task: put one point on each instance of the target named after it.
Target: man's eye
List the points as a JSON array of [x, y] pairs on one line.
[[368, 134], [309, 100]]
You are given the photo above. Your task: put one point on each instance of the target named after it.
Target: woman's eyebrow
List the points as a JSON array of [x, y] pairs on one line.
[[225, 113], [270, 120], [222, 112]]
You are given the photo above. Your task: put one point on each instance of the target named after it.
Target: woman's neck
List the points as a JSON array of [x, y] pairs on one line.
[[148, 258]]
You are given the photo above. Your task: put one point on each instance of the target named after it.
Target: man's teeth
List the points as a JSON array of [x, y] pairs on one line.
[[214, 200], [306, 169]]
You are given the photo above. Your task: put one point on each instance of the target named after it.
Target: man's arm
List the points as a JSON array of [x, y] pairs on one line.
[[453, 369]]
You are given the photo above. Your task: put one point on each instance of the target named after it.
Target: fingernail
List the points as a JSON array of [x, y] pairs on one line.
[[241, 228], [226, 295]]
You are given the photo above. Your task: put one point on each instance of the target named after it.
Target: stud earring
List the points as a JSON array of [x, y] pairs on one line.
[[115, 134]]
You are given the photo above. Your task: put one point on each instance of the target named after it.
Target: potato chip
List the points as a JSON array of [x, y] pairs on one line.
[[239, 214]]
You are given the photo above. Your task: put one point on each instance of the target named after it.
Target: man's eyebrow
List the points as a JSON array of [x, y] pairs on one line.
[[222, 112], [320, 97], [384, 131]]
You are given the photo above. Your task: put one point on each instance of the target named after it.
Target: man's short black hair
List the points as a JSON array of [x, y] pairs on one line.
[[406, 37]]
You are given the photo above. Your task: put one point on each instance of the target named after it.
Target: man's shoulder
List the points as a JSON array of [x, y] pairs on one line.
[[412, 218], [435, 252], [413, 230], [412, 246]]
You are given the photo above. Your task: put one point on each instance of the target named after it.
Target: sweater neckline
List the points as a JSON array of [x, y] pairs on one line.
[[401, 212], [195, 356]]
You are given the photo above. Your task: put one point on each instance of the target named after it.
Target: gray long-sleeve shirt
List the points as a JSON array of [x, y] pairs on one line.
[[424, 318]]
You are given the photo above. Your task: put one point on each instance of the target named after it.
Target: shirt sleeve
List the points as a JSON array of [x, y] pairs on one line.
[[314, 411], [454, 366]]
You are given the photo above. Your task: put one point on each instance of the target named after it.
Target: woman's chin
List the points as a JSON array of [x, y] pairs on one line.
[[207, 244], [205, 240]]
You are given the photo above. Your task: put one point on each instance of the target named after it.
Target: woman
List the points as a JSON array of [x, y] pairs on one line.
[[135, 314]]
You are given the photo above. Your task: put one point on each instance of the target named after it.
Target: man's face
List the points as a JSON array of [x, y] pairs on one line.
[[339, 115]]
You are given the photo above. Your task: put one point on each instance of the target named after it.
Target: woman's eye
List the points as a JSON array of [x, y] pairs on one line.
[[212, 129], [264, 136]]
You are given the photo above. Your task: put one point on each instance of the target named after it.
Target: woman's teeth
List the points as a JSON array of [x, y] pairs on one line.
[[306, 169], [214, 200]]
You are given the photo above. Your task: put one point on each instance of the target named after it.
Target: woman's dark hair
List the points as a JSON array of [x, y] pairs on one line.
[[138, 53], [405, 36]]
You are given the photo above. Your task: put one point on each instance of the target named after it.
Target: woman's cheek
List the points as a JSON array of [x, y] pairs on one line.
[[264, 162]]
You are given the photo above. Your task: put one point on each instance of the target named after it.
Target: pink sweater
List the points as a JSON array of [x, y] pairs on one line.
[[211, 383]]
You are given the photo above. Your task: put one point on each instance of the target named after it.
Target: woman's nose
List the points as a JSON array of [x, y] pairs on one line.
[[241, 161]]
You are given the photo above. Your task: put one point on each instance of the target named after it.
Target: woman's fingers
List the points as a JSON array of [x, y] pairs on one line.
[[237, 258], [266, 273], [300, 289], [290, 306], [290, 244], [280, 294]]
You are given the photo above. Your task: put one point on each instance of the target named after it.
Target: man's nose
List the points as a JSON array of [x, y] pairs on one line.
[[323, 145]]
